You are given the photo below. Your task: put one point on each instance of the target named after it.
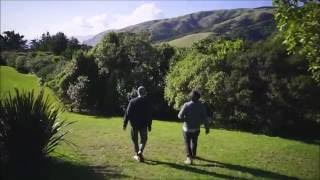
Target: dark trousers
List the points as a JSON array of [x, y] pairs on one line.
[[191, 141], [135, 132]]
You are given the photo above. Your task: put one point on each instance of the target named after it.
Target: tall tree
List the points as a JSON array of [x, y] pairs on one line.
[[253, 87], [299, 21], [59, 43], [82, 65], [72, 46], [126, 61], [12, 41]]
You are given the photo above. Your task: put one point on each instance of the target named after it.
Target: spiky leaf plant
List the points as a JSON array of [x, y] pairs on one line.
[[29, 130]]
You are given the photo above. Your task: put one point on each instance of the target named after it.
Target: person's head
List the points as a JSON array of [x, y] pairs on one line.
[[142, 91], [195, 95]]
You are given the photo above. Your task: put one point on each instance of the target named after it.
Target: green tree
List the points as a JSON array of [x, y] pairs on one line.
[[299, 21], [59, 43], [125, 60], [34, 45], [12, 41], [253, 87], [83, 65], [202, 68], [21, 64], [72, 46]]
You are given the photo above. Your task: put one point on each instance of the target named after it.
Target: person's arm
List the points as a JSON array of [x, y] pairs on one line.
[[150, 124], [149, 116], [126, 116], [182, 112], [205, 117]]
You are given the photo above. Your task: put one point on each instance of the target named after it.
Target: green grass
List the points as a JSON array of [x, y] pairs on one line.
[[11, 79], [102, 150], [188, 40], [100, 142]]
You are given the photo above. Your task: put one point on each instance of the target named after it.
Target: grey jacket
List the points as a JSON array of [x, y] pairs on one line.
[[193, 114]]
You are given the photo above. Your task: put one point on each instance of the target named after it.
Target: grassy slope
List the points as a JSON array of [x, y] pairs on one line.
[[187, 41], [102, 150], [11, 79]]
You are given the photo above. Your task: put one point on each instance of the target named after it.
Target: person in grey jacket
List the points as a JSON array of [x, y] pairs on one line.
[[193, 113], [139, 114]]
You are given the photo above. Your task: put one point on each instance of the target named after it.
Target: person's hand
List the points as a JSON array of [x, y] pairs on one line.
[[124, 127], [149, 128], [207, 131]]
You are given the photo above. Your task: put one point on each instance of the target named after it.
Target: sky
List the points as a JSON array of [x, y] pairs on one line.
[[83, 18]]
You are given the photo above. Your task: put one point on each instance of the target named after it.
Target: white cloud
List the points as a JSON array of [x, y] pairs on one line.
[[80, 26], [84, 25], [145, 12]]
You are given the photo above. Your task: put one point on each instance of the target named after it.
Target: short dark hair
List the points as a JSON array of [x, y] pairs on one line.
[[195, 95]]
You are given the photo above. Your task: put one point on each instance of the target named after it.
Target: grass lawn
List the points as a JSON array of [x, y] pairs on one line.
[[106, 149], [102, 150], [11, 79], [188, 40]]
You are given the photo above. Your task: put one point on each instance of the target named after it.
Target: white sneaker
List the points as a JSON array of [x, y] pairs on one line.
[[136, 157], [188, 161]]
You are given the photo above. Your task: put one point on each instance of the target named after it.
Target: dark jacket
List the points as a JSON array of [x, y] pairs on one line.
[[138, 113]]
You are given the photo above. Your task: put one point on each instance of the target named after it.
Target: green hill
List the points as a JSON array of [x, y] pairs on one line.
[[100, 149], [10, 79], [252, 24], [187, 41]]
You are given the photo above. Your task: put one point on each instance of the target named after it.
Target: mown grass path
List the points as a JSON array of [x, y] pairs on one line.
[[101, 142], [102, 150]]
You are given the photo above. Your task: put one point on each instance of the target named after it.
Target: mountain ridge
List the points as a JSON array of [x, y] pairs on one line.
[[219, 22]]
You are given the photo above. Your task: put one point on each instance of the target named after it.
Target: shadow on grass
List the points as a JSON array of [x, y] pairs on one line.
[[193, 168], [67, 170]]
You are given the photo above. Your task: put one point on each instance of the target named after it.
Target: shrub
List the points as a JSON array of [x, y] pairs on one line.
[[78, 93], [9, 57], [2, 61], [252, 87], [29, 130], [22, 64]]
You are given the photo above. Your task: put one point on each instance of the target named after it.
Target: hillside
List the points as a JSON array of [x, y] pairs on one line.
[[10, 79], [249, 23], [188, 40], [100, 149]]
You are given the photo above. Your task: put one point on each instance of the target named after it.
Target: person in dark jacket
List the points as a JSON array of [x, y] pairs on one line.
[[193, 113], [139, 114]]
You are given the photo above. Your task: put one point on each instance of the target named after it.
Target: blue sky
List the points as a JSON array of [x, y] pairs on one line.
[[81, 18]]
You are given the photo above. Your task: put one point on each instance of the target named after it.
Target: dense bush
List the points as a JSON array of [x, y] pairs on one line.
[[201, 69], [21, 64], [2, 61], [250, 87], [9, 57], [78, 93], [299, 24], [58, 44], [73, 88], [127, 61], [44, 64], [29, 130]]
